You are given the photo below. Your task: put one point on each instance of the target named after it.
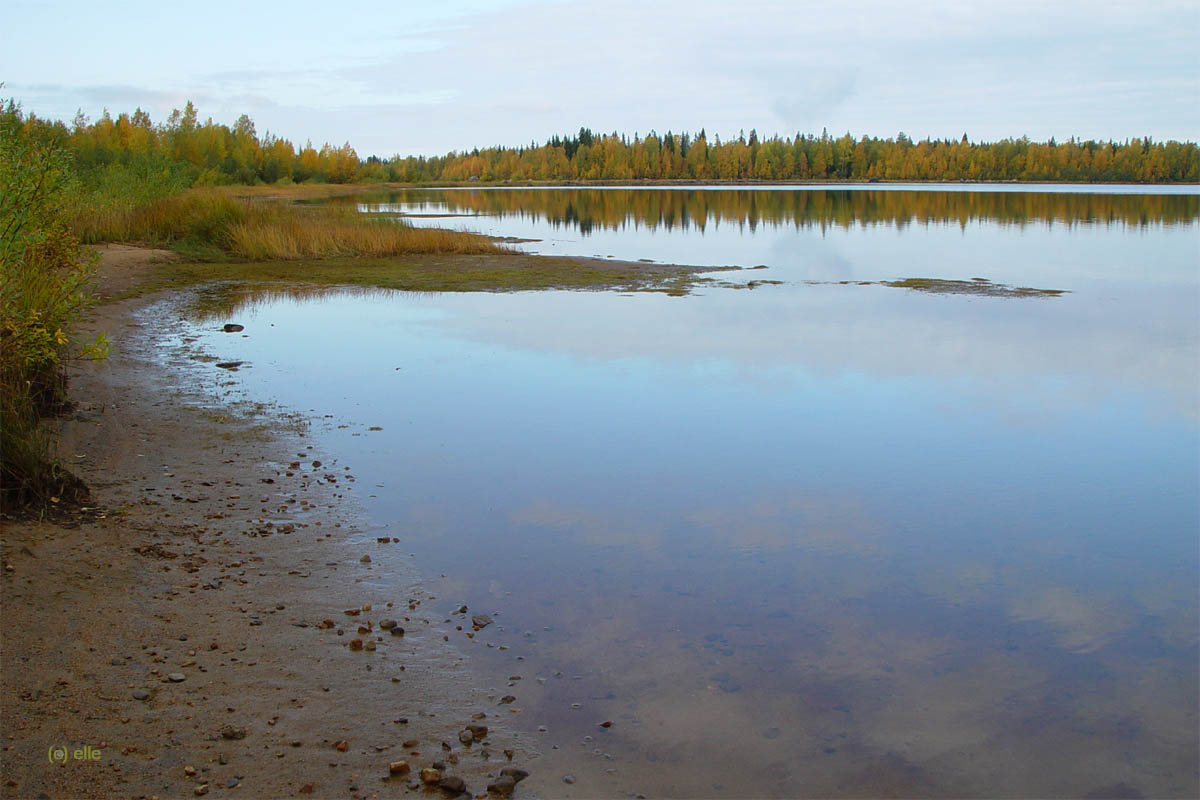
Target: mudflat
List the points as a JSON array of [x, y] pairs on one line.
[[211, 619]]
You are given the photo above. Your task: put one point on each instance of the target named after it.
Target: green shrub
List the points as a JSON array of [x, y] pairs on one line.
[[44, 287]]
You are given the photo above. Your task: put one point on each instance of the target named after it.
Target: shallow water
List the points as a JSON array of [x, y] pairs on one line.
[[810, 539]]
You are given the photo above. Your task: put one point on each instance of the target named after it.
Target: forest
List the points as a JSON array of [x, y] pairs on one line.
[[186, 151]]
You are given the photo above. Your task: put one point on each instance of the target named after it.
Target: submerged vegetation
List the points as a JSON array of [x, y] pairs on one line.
[[231, 286], [977, 286]]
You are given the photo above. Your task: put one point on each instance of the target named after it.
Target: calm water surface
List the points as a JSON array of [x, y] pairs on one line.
[[810, 539]]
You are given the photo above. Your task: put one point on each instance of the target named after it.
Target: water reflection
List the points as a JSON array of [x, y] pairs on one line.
[[587, 210], [809, 540], [1074, 241]]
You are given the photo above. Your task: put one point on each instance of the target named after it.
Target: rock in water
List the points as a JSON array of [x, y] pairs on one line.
[[233, 327], [481, 621]]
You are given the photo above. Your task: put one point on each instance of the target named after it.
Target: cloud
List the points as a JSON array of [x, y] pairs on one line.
[[811, 100], [459, 75]]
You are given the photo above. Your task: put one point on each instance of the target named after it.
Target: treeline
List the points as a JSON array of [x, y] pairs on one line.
[[612, 157], [200, 153], [196, 153]]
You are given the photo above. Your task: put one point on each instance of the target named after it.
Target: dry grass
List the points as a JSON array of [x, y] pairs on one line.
[[321, 233], [214, 223]]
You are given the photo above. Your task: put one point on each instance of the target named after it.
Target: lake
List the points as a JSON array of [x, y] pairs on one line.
[[798, 532]]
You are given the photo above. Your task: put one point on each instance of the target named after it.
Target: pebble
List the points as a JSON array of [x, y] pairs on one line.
[[466, 736], [504, 785], [200, 790], [515, 773], [141, 694], [568, 778], [430, 776], [342, 746], [452, 784], [481, 621], [397, 631], [388, 624], [478, 731], [409, 744], [366, 559], [508, 698], [398, 768], [230, 732], [177, 677], [356, 644]]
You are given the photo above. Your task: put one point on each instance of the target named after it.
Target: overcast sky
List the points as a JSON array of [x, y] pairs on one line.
[[426, 78]]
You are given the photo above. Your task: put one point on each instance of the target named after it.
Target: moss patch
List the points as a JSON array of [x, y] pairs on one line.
[[976, 286]]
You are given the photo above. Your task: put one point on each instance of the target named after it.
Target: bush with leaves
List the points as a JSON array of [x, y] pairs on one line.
[[44, 288]]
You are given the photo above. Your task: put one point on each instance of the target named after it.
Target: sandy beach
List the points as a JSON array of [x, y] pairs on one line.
[[210, 622]]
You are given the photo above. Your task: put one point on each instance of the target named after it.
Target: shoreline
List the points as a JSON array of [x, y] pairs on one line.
[[173, 632]]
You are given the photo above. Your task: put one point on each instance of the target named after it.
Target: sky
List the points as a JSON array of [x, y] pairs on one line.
[[421, 78]]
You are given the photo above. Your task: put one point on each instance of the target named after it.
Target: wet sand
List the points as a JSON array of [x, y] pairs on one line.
[[169, 639]]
